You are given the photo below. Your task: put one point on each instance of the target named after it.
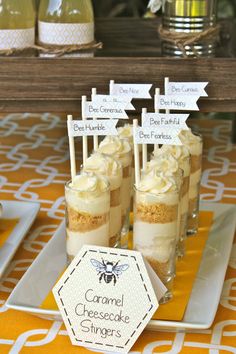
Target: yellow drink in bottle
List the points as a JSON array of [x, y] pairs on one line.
[[17, 24], [66, 22]]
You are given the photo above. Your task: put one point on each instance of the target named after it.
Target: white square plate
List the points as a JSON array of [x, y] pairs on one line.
[[37, 282], [26, 212]]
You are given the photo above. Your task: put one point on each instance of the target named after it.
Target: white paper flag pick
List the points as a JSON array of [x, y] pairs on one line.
[[156, 136], [132, 90], [113, 98], [92, 127], [172, 120], [177, 102], [187, 88], [114, 110]]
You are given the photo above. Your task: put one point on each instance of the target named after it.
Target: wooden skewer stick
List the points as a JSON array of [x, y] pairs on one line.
[[111, 87], [144, 147], [136, 156], [157, 94], [166, 86], [95, 137], [85, 138], [72, 151]]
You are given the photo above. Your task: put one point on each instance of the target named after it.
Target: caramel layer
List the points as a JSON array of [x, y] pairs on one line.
[[115, 198], [156, 213], [196, 163], [83, 222]]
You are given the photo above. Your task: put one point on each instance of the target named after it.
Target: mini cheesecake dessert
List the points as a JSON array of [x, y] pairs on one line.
[[155, 231], [111, 168], [194, 144], [126, 132], [87, 212], [182, 156], [121, 150]]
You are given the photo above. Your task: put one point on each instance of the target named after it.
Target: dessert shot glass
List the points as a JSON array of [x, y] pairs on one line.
[[121, 150], [156, 231], [194, 185], [182, 156], [87, 202], [184, 202], [110, 168]]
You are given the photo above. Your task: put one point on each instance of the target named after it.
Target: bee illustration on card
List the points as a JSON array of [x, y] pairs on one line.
[[109, 271]]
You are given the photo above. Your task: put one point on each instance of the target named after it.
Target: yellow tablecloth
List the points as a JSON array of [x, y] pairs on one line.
[[34, 166]]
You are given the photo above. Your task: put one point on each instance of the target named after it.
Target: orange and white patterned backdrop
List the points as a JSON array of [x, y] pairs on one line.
[[34, 166]]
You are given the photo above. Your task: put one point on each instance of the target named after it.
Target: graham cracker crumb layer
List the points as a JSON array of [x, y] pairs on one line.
[[192, 205], [196, 163], [185, 186], [83, 222], [183, 225], [113, 241], [115, 198], [162, 270], [70, 258], [156, 213]]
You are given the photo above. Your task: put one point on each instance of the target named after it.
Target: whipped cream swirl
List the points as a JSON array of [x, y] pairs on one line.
[[191, 141], [103, 164], [118, 148], [164, 163], [89, 185], [126, 132], [157, 183], [107, 166]]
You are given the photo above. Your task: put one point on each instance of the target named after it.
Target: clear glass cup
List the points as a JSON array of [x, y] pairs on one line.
[[87, 218], [114, 174], [126, 186], [121, 150], [194, 186], [155, 233], [184, 203]]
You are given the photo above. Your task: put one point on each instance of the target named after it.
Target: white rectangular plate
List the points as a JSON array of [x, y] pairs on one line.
[[37, 282], [26, 212]]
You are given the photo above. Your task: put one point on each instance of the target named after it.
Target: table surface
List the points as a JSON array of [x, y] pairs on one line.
[[34, 167]]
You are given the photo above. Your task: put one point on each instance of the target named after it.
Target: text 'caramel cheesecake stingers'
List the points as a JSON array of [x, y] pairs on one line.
[[87, 212], [112, 169]]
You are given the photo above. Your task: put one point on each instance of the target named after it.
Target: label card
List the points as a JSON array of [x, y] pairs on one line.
[[132, 90], [106, 298], [187, 88], [176, 102], [92, 127], [114, 110], [153, 120], [114, 98], [157, 136]]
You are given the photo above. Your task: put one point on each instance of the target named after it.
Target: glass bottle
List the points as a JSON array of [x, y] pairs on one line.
[[66, 22], [17, 24]]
